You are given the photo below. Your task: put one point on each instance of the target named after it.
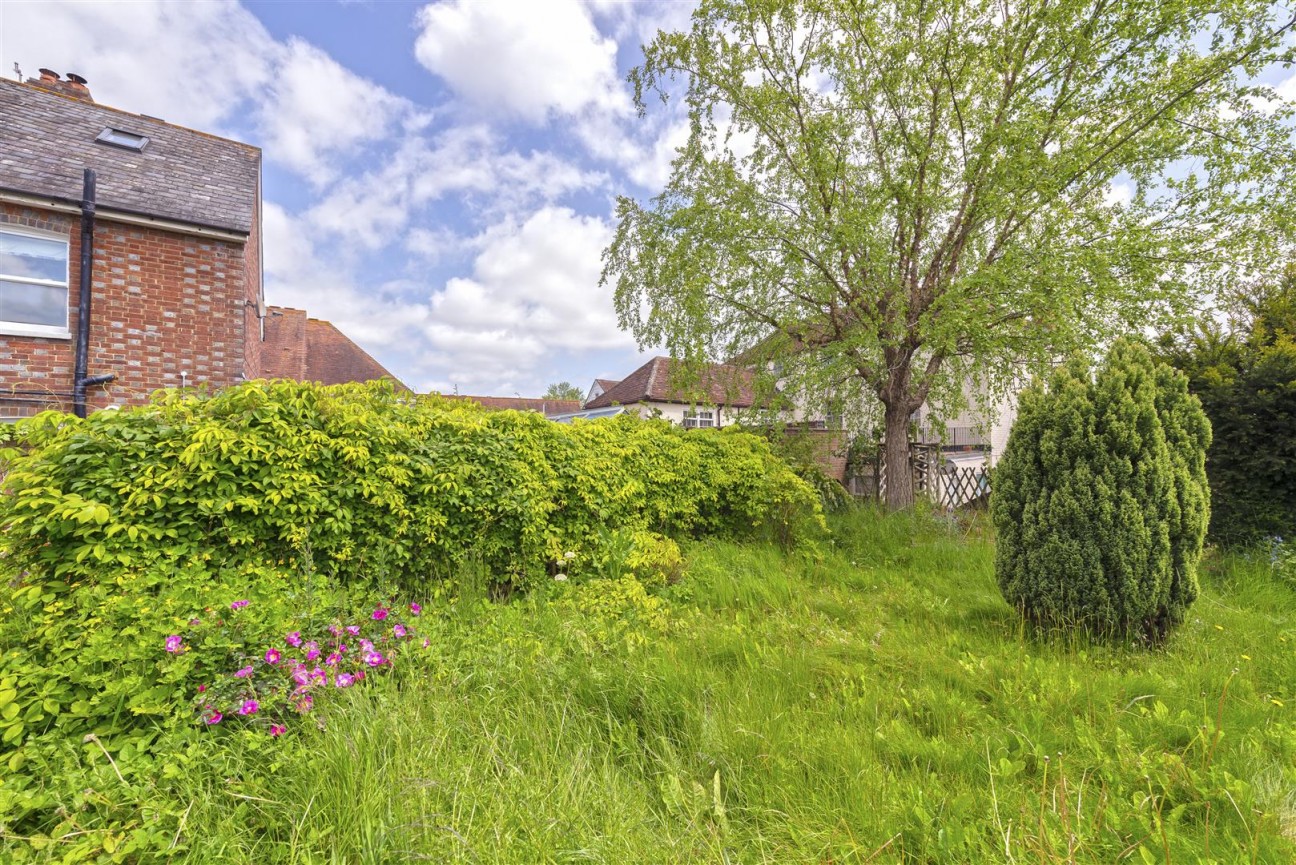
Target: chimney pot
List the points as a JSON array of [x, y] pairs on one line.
[[48, 75], [76, 79]]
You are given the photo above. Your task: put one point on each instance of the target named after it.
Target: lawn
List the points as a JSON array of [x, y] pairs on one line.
[[877, 702]]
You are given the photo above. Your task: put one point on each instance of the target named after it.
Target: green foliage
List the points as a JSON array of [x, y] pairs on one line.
[[882, 704], [923, 192], [312, 503], [1244, 373], [564, 390], [360, 483], [1100, 500]]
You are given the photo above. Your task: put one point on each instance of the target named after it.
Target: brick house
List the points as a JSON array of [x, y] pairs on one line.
[[310, 349], [175, 277], [719, 396]]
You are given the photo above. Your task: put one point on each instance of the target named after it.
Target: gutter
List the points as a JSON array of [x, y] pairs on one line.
[[80, 379], [61, 205]]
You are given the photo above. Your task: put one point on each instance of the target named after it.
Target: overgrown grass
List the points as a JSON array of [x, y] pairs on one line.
[[879, 703]]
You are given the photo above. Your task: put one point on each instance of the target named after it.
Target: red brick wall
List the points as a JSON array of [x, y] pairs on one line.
[[828, 448], [162, 304]]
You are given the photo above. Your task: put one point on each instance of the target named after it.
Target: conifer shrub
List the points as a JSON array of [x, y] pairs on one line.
[[1101, 501]]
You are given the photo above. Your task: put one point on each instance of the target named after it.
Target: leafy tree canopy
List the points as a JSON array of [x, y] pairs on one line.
[[890, 198], [564, 390], [1244, 372]]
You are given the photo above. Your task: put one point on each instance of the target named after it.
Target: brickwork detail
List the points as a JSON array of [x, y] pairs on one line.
[[166, 308]]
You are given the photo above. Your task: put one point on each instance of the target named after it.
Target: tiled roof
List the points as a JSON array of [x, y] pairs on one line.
[[521, 403], [308, 349], [47, 138], [718, 384], [606, 383]]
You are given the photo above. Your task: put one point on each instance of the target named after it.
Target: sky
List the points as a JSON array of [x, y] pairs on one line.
[[439, 177]]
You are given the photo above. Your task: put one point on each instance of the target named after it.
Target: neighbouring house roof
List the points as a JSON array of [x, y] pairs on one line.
[[47, 138], [606, 383], [309, 349], [718, 384], [520, 403]]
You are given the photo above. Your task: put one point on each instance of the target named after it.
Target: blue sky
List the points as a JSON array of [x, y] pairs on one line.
[[439, 176]]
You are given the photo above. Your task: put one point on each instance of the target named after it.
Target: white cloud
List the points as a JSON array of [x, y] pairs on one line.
[[370, 210], [210, 65], [302, 276], [523, 59], [533, 291], [189, 63], [316, 111]]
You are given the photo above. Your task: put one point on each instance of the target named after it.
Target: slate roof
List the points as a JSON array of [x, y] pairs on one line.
[[47, 138], [309, 349], [718, 384], [521, 403]]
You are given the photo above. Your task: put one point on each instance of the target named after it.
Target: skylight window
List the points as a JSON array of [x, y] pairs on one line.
[[120, 138]]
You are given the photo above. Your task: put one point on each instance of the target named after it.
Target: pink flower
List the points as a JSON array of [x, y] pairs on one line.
[[175, 643], [213, 718], [366, 646], [380, 614], [344, 680], [249, 707], [244, 673], [415, 609], [312, 650], [301, 676], [194, 622], [426, 642], [399, 630], [359, 675], [201, 688], [277, 729], [304, 703], [293, 639], [332, 659], [318, 675], [238, 605], [335, 630], [353, 630], [272, 656], [373, 659]]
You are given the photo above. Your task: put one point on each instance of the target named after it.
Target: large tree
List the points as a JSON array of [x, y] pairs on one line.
[[891, 197]]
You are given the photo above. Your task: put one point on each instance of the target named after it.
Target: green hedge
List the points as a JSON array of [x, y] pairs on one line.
[[358, 482]]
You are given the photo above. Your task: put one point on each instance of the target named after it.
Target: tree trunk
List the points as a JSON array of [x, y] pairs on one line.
[[895, 457]]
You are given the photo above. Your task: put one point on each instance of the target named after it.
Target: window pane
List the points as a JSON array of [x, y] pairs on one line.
[[33, 257], [33, 304]]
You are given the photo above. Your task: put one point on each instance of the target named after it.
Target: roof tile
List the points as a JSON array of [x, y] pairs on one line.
[[181, 174]]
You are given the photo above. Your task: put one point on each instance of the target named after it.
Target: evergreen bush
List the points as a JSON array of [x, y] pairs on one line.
[[1100, 500]]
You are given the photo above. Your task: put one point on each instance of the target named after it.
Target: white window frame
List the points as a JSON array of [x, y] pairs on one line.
[[19, 328], [694, 419]]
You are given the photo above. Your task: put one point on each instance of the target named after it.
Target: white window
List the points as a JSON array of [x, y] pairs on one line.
[[33, 284], [695, 419]]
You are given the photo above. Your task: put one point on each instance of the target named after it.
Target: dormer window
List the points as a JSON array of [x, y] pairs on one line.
[[121, 138]]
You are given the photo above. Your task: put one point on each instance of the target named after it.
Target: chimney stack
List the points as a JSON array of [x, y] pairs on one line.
[[74, 86]]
